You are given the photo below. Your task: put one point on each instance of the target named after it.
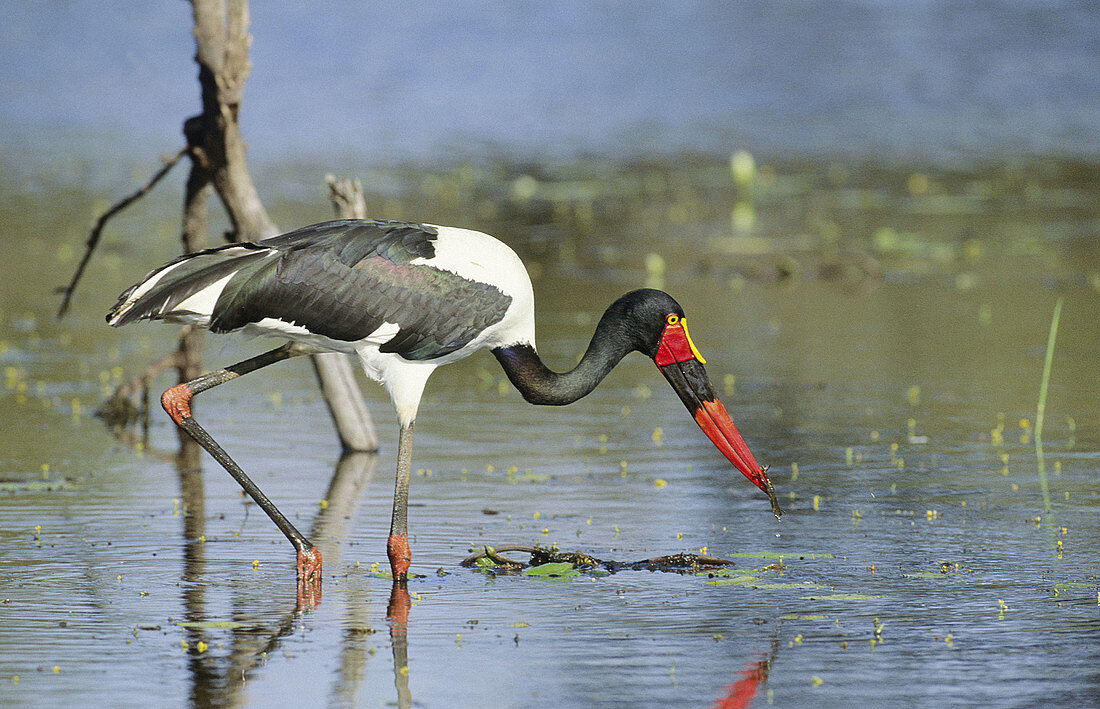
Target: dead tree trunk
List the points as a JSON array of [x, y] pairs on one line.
[[217, 153]]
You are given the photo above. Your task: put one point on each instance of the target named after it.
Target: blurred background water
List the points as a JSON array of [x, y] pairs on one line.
[[923, 80]]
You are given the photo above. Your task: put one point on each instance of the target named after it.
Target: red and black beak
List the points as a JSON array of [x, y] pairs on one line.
[[682, 365]]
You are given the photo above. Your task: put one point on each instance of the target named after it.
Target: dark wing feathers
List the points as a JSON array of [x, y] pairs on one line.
[[352, 240], [343, 280]]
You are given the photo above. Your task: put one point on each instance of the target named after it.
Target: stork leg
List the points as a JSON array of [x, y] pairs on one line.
[[177, 403], [397, 548]]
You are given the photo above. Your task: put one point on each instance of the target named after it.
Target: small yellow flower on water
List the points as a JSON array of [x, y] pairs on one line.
[[657, 434], [816, 681], [404, 671], [324, 504], [798, 639], [57, 669], [679, 535], [703, 550], [660, 483], [545, 530], [817, 501], [256, 563], [201, 646]]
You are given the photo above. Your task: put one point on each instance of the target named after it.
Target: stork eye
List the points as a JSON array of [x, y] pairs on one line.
[[672, 319]]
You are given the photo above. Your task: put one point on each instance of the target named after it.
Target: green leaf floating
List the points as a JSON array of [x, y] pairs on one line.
[[551, 570]]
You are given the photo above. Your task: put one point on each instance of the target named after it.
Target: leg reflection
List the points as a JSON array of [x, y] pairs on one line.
[[398, 615]]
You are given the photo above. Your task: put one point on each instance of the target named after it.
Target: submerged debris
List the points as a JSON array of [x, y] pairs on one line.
[[683, 563]]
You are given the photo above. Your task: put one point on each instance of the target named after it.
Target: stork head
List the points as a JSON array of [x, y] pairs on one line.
[[656, 325]]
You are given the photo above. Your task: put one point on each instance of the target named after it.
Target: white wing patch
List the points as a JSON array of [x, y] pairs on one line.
[[479, 257], [202, 302]]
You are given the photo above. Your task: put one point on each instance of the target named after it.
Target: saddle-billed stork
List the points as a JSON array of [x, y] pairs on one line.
[[406, 298]]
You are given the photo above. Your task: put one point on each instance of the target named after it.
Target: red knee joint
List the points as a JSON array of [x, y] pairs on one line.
[[177, 402], [397, 548]]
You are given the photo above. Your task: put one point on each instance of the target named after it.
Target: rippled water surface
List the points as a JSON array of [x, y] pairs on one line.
[[921, 559]]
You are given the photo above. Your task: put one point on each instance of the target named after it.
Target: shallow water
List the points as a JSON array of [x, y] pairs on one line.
[[916, 562]]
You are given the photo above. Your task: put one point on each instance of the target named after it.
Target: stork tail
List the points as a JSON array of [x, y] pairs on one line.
[[188, 288]]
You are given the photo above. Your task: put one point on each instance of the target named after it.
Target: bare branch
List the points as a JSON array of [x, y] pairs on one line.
[[347, 197], [97, 228]]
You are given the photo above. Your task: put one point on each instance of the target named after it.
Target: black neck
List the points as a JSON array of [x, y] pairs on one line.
[[541, 385]]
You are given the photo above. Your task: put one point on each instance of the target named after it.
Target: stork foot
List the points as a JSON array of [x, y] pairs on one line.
[[397, 548], [309, 577]]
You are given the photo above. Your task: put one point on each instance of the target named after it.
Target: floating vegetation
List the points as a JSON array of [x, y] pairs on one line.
[[17, 486], [789, 586], [491, 559], [552, 570]]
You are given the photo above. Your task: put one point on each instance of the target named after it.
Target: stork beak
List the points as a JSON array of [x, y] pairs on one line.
[[682, 366]]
